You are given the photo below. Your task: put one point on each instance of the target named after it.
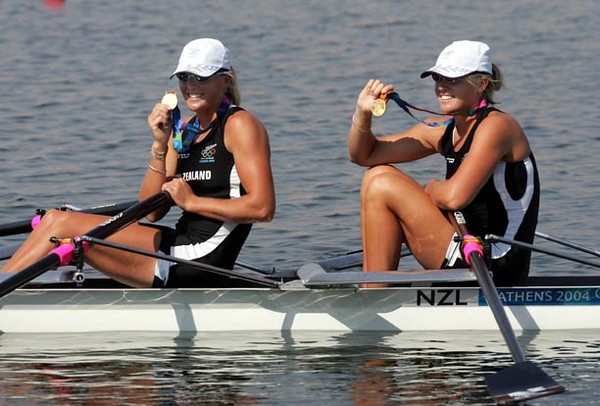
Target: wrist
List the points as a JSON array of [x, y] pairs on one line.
[[158, 151], [362, 126], [157, 170], [160, 146]]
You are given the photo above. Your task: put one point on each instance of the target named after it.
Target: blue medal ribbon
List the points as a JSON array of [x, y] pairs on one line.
[[184, 134], [404, 105]]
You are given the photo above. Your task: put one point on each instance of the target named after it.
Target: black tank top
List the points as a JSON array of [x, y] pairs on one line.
[[508, 203], [209, 169]]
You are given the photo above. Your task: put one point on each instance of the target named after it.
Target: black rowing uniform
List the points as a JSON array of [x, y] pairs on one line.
[[506, 206], [209, 169]]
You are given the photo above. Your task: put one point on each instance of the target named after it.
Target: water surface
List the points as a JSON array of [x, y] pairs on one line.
[[78, 82]]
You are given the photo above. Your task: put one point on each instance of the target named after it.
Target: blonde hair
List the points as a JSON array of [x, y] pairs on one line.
[[233, 91], [496, 82]]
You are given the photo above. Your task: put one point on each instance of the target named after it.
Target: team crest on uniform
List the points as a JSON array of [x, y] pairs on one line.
[[208, 154]]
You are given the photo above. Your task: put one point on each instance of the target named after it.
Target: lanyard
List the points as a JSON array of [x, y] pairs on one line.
[[404, 105], [184, 134]]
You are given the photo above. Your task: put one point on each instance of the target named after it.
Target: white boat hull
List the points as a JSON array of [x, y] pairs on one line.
[[297, 309]]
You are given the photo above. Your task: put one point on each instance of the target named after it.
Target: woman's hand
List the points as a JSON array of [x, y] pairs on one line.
[[371, 92], [179, 190], [160, 123]]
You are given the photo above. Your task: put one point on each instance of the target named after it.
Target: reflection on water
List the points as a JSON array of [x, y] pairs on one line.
[[262, 368]]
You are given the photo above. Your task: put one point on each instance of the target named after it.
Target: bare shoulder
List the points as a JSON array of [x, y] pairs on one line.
[[505, 130], [244, 128], [502, 121], [243, 120]]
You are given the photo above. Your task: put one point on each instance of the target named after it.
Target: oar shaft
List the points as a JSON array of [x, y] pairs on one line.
[[24, 226], [249, 275], [47, 263], [567, 243], [130, 215], [491, 296], [496, 238], [490, 293], [108, 227]]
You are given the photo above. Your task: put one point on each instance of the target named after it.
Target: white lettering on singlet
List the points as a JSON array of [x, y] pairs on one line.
[[197, 175]]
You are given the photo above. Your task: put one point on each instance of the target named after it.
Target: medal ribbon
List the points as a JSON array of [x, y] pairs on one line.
[[184, 134], [404, 105]]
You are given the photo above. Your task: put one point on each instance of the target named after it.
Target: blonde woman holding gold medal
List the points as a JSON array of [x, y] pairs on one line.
[[491, 175], [216, 167]]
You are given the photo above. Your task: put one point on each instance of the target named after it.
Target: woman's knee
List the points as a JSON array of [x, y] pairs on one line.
[[381, 180], [64, 224], [373, 175], [376, 171], [54, 220]]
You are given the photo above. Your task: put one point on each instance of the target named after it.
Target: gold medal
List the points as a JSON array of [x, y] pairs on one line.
[[170, 99], [378, 107]]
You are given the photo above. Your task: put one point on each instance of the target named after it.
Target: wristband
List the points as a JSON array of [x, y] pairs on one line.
[[159, 156]]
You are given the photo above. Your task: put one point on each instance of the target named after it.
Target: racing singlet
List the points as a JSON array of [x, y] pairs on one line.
[[209, 169], [508, 203]]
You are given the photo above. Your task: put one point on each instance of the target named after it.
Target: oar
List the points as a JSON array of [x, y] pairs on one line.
[[496, 238], [247, 275], [24, 226], [521, 381], [568, 243], [63, 254]]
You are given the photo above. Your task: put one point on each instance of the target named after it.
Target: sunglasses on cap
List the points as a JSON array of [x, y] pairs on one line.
[[438, 78], [185, 76]]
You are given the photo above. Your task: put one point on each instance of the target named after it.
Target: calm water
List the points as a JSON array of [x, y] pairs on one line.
[[78, 82]]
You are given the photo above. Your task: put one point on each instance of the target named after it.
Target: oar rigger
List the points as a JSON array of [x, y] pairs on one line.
[[76, 255], [247, 275]]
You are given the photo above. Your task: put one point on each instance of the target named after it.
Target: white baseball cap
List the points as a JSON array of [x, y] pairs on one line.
[[461, 58], [203, 57]]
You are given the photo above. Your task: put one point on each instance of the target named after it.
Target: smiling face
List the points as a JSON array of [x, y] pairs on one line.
[[204, 95], [459, 94]]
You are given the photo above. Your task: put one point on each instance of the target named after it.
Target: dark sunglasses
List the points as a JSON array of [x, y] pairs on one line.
[[185, 76], [438, 78]]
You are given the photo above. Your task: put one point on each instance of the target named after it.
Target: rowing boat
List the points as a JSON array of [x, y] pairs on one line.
[[323, 296], [318, 296], [327, 301]]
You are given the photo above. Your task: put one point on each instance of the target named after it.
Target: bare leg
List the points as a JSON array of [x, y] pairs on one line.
[[395, 209], [382, 234], [131, 269]]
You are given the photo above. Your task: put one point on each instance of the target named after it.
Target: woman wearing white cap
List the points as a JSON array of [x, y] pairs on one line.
[[491, 174], [215, 166]]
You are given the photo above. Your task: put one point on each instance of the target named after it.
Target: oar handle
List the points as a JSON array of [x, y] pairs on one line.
[[475, 258]]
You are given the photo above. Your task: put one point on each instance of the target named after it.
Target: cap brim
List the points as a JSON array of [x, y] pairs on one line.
[[446, 71], [202, 71]]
